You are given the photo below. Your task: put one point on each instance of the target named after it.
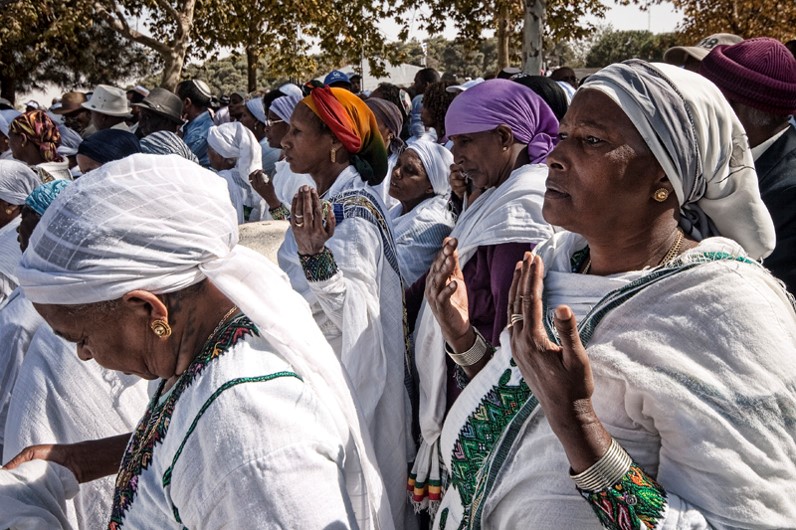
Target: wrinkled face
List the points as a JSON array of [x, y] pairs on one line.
[[409, 182], [307, 145], [275, 130], [25, 229], [602, 174], [481, 155], [110, 333]]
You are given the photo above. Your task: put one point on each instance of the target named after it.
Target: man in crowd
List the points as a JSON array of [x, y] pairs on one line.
[[195, 96], [758, 78], [76, 117], [109, 108], [423, 78], [161, 110]]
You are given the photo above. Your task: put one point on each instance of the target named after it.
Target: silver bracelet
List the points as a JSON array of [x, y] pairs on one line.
[[473, 355], [607, 471]]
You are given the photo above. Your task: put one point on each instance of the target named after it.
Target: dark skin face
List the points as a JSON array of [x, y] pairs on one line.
[[252, 123], [25, 229], [488, 157], [409, 181], [8, 212], [3, 143], [78, 120], [150, 122], [307, 145], [24, 150], [275, 130], [600, 160]]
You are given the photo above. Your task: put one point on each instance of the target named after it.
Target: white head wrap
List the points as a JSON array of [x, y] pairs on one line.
[[437, 162], [17, 180], [702, 147], [185, 230], [284, 106], [234, 140], [8, 116], [70, 140], [291, 89], [255, 106]]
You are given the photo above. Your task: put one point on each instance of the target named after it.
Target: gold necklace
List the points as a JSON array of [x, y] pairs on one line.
[[222, 322], [674, 250]]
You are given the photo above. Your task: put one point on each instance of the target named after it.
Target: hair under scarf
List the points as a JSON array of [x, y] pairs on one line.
[[701, 146], [502, 102], [234, 140], [354, 125], [38, 128], [83, 251], [284, 106], [390, 115], [166, 143], [436, 161], [43, 196], [17, 180], [108, 145]]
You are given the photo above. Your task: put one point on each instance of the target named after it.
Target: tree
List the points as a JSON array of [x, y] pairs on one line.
[[58, 42], [746, 18], [617, 46]]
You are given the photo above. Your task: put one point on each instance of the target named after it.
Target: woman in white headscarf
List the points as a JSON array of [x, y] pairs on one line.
[[234, 153], [248, 387], [421, 219], [16, 182], [255, 119], [647, 377]]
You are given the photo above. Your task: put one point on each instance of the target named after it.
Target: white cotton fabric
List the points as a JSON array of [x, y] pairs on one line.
[[18, 323], [10, 254], [255, 106], [160, 223], [360, 311], [58, 398], [696, 137], [382, 189], [286, 185], [16, 181], [694, 376], [234, 140], [33, 496], [437, 162], [509, 213]]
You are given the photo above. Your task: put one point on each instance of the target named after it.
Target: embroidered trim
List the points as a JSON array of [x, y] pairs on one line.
[[153, 427], [280, 213], [635, 500], [318, 267], [226, 386]]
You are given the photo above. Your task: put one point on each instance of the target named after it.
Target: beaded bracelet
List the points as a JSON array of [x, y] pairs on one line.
[[607, 471], [476, 352], [280, 213], [318, 267]]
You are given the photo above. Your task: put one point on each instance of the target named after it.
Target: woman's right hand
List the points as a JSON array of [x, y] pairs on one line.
[[458, 181], [446, 295], [264, 186]]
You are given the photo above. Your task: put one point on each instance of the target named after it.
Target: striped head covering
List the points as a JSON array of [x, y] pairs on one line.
[[694, 134], [17, 180], [284, 106], [38, 128], [43, 196], [390, 115], [354, 125], [166, 143], [502, 102]]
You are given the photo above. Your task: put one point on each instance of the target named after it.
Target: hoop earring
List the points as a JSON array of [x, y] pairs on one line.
[[161, 328], [333, 155], [661, 194]]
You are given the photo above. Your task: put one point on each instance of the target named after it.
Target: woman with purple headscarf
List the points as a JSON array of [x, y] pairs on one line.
[[501, 133]]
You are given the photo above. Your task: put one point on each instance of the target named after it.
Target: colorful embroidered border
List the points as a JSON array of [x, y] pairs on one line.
[[635, 500], [153, 427], [319, 267], [280, 213]]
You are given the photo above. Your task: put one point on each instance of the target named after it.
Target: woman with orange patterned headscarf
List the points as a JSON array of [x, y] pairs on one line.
[[34, 139], [340, 255]]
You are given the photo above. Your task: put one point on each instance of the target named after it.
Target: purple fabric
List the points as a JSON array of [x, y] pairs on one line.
[[503, 102]]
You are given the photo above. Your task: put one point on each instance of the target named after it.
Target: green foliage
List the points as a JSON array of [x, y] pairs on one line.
[[616, 46]]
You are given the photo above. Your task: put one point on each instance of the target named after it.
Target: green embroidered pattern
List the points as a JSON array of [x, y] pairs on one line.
[[280, 213], [634, 501], [319, 267]]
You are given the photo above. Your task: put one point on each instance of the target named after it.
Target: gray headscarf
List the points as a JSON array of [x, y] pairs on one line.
[[166, 143], [17, 180], [702, 147]]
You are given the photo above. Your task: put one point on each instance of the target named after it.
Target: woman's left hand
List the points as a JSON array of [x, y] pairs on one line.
[[559, 376], [307, 220]]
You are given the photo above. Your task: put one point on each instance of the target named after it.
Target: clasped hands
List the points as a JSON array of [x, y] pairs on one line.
[[312, 227]]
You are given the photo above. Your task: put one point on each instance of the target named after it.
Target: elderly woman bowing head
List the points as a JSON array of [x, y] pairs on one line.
[[647, 375], [175, 300], [340, 255]]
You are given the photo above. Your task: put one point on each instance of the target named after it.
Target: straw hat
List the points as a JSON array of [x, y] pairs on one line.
[[70, 102]]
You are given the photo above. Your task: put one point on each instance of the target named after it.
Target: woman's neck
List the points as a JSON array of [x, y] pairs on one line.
[[519, 158], [408, 206], [326, 178]]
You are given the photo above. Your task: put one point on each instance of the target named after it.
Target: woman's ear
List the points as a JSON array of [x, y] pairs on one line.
[[505, 135], [146, 303]]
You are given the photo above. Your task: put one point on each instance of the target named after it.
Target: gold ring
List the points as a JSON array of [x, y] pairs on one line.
[[299, 225], [299, 217], [515, 317]]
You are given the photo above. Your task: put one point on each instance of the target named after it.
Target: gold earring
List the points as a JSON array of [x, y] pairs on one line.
[[505, 147], [333, 155], [161, 328], [661, 194], [9, 211]]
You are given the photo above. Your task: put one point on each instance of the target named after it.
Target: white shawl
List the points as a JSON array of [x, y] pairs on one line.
[[510, 213], [10, 254]]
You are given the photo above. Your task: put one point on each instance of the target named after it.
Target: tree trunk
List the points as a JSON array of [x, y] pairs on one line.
[[503, 36], [532, 37], [172, 69], [8, 87], [252, 56]]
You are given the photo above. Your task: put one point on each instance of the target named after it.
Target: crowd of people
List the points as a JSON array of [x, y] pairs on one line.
[[515, 301]]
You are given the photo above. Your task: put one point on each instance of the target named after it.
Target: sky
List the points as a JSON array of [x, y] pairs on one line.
[[660, 19]]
